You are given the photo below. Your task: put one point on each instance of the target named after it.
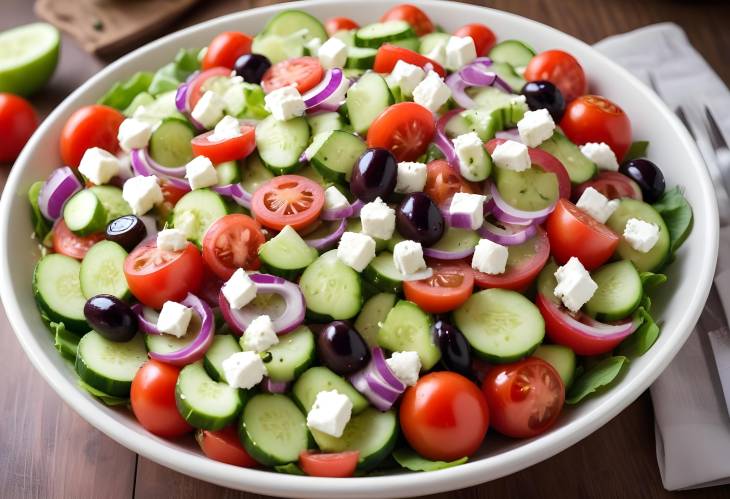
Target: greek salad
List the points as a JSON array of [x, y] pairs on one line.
[[332, 249]]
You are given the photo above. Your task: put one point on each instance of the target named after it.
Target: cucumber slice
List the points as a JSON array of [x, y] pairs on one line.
[[109, 366], [561, 358], [57, 290], [372, 315], [513, 52], [355, 225], [366, 99], [273, 429], [483, 123], [546, 281], [431, 41], [28, 57], [204, 403], [326, 122], [408, 328], [170, 142], [281, 143], [228, 173], [382, 274], [102, 271], [580, 168], [407, 43], [644, 262], [507, 73], [84, 214], [293, 21], [162, 107], [66, 342], [41, 226], [111, 198], [254, 174], [376, 34], [457, 240], [286, 254], [166, 343], [223, 346], [141, 99], [312, 174], [347, 36], [293, 354], [528, 190], [360, 58], [331, 289], [506, 109], [500, 325], [317, 379], [337, 154], [619, 291], [206, 205], [279, 48]]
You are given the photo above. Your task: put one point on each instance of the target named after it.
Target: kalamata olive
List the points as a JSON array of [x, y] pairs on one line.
[[251, 67], [542, 94], [127, 231], [342, 349], [374, 175], [418, 218], [454, 348], [648, 175], [111, 317]]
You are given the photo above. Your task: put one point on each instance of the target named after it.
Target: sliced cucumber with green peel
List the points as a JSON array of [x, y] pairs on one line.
[[561, 358], [529, 190], [376, 34], [279, 48], [347, 36], [372, 316], [655, 258], [331, 289], [580, 168], [456, 240], [66, 342], [366, 100], [294, 353], [382, 274], [254, 173], [513, 52], [407, 43], [619, 291], [505, 109], [407, 328], [293, 21], [28, 57], [206, 205], [507, 73], [223, 346], [483, 122], [281, 143], [431, 41], [166, 343], [84, 213], [355, 225], [57, 289], [326, 122], [102, 271], [286, 254], [111, 198], [109, 366], [203, 402], [336, 155], [318, 379], [170, 142], [228, 173], [360, 58]]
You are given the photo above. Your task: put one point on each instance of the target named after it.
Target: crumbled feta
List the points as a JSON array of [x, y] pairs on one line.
[[574, 284], [284, 103], [244, 369], [408, 257], [438, 53], [174, 319], [334, 199], [259, 335], [470, 205], [535, 127], [406, 366], [460, 50], [432, 92], [356, 250], [641, 235], [201, 173], [134, 134], [378, 219], [333, 53], [597, 205], [512, 155], [313, 46], [411, 177], [98, 165], [330, 413], [142, 193], [601, 154], [490, 257], [239, 290], [406, 77], [226, 129], [470, 151], [209, 109], [187, 222], [171, 240]]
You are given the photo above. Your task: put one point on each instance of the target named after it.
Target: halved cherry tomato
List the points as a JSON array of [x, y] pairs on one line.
[[287, 200], [405, 129], [232, 242], [18, 121], [592, 118], [388, 55], [153, 399], [575, 233], [411, 14], [524, 398], [450, 286], [444, 416], [224, 446], [523, 265], [561, 69], [443, 182], [170, 193], [69, 244], [225, 49], [335, 24], [90, 126], [333, 465], [484, 38], [303, 72], [196, 88], [155, 276], [613, 185], [220, 151]]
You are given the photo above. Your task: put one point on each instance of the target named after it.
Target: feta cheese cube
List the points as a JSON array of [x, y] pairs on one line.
[[259, 335], [239, 290], [330, 413], [174, 319], [187, 222], [284, 103], [597, 205], [209, 109], [333, 53], [334, 199], [98, 165], [408, 257], [535, 127], [601, 154], [406, 76], [226, 129], [490, 257], [200, 173], [469, 205], [460, 50], [142, 193], [134, 134], [438, 53], [432, 92], [406, 366], [378, 219], [244, 369], [575, 286], [470, 151], [313, 46], [171, 240], [641, 235], [411, 177], [512, 155], [356, 250]]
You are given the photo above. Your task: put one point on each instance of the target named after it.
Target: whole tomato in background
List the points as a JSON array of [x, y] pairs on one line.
[[18, 121]]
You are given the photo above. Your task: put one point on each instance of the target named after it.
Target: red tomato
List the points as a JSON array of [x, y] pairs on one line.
[[304, 73], [334, 465], [450, 286], [232, 242], [196, 88], [575, 233], [224, 446], [443, 182], [69, 244], [561, 69], [90, 126], [524, 398], [170, 193], [592, 118], [287, 200], [225, 49], [335, 24], [613, 185], [405, 129], [484, 38], [520, 272], [220, 151], [18, 121], [153, 399], [388, 55], [444, 416], [155, 276], [411, 14]]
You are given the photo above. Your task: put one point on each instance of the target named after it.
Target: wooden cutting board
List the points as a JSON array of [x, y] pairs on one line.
[[108, 27]]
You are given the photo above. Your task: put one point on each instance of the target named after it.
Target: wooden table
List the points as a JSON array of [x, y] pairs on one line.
[[48, 451]]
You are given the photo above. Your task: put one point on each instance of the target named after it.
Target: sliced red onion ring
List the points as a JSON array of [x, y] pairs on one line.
[[443, 142], [289, 320], [511, 134], [382, 367], [146, 318], [329, 240], [144, 165], [325, 107], [509, 235], [169, 171], [60, 185], [339, 213], [378, 383], [181, 98], [476, 74], [448, 255], [503, 212], [590, 327], [272, 386], [235, 192], [357, 208], [331, 90]]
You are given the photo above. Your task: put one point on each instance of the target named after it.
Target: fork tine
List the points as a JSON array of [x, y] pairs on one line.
[[716, 138], [683, 118], [652, 83]]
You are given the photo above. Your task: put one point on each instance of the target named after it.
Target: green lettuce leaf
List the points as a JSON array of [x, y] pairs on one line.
[[650, 280], [104, 397], [124, 92], [289, 469], [409, 459], [677, 214], [643, 338], [41, 226], [169, 76], [596, 378], [637, 150]]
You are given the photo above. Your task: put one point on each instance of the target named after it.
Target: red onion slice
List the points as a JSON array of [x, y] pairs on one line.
[[443, 142], [235, 192], [511, 134], [337, 214], [357, 208], [448, 255], [509, 235], [587, 325], [60, 185], [475, 74], [181, 98], [329, 240], [271, 386], [146, 319], [362, 384], [377, 382], [504, 212], [382, 367], [332, 88], [142, 164]]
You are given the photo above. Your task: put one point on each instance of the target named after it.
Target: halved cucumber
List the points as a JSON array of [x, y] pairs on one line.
[[507, 73], [619, 291], [376, 34], [331, 289], [513, 52], [455, 240], [561, 358], [84, 213], [506, 109], [281, 143], [408, 328], [580, 168], [204, 403], [254, 173], [109, 366], [382, 274], [407, 43], [483, 122], [655, 258], [57, 290], [529, 190], [207, 207], [325, 122], [360, 58], [170, 142], [372, 316], [102, 271], [337, 154], [223, 346], [293, 354], [317, 379], [366, 100], [111, 198], [286, 254]]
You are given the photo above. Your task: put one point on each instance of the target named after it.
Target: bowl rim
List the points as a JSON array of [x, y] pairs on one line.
[[528, 453]]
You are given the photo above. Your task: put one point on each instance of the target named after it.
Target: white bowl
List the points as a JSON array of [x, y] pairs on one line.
[[678, 306]]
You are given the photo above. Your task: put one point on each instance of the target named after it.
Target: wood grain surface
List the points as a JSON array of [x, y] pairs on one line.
[[48, 451]]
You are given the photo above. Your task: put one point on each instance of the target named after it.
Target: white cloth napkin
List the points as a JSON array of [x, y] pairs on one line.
[[692, 421]]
